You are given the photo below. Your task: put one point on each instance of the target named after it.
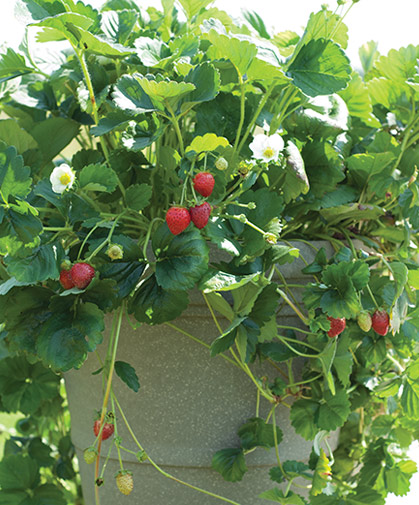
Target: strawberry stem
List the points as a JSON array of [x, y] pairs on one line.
[[160, 470]]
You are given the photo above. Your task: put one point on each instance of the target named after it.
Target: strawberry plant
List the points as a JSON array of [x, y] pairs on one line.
[[157, 157]]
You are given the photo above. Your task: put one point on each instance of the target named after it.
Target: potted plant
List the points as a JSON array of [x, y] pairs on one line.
[[237, 213]]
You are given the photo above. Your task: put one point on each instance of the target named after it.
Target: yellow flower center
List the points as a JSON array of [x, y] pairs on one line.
[[269, 152], [65, 179]]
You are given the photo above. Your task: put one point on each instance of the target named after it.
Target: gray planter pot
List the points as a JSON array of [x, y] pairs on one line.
[[189, 406]]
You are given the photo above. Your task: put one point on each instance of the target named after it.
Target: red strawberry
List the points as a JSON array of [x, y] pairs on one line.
[[66, 279], [200, 214], [82, 274], [337, 325], [204, 183], [380, 322], [107, 431], [177, 219], [124, 481]]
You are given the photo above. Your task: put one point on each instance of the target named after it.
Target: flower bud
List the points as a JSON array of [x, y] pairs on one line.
[[270, 238]]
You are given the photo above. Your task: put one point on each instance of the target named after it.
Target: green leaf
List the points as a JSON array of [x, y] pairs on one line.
[[226, 339], [25, 387], [296, 469], [192, 7], [265, 305], [343, 279], [20, 228], [98, 177], [89, 320], [321, 117], [129, 95], [353, 211], [240, 52], [206, 143], [42, 264], [358, 100], [343, 361], [152, 52], [365, 496], [277, 495], [325, 24], [256, 22], [397, 478], [323, 166], [138, 196], [216, 280], [230, 463], [126, 274], [127, 373], [14, 177], [320, 68], [18, 472], [13, 135], [118, 25], [62, 26], [206, 80], [12, 65], [48, 494], [296, 181], [152, 304], [322, 474], [181, 259], [115, 120], [326, 359], [216, 301], [53, 134], [302, 417], [161, 91], [334, 411], [257, 433], [40, 452]]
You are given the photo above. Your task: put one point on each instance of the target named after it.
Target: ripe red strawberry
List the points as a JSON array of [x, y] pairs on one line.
[[200, 214], [124, 481], [364, 321], [337, 325], [177, 219], [82, 274], [107, 431], [204, 183], [66, 279], [380, 322]]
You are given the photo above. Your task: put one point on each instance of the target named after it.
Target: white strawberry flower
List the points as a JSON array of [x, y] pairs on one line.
[[62, 178], [267, 148]]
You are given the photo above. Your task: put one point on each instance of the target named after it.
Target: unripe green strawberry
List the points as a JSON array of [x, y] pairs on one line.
[[364, 321], [90, 455], [124, 481], [221, 164]]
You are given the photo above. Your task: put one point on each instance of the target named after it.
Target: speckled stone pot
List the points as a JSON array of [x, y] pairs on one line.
[[189, 406]]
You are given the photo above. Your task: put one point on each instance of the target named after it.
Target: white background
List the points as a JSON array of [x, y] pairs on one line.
[[392, 23]]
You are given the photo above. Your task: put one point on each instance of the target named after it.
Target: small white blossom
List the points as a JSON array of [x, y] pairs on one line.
[[62, 178], [267, 148]]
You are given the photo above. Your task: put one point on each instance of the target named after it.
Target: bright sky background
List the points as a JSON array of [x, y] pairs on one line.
[[392, 23]]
